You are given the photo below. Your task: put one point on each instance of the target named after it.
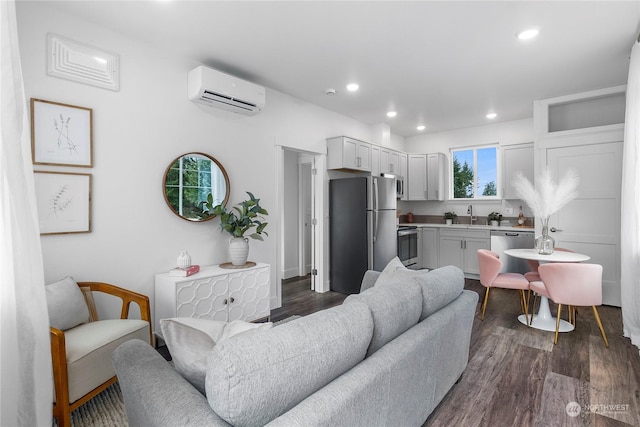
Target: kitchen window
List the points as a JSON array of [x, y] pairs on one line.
[[474, 173]]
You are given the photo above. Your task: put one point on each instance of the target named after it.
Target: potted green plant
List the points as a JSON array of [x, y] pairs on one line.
[[243, 217], [494, 218], [449, 217]]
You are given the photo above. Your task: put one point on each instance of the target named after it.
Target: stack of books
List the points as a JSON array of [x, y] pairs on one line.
[[184, 272]]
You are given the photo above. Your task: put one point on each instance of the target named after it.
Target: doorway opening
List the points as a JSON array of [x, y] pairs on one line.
[[300, 201]]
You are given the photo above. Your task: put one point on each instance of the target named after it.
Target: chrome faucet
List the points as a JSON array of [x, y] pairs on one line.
[[470, 212]]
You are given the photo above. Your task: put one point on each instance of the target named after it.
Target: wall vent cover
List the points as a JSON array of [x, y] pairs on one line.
[[81, 63]]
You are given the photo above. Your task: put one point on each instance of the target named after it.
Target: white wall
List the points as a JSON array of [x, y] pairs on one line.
[[505, 133], [137, 132]]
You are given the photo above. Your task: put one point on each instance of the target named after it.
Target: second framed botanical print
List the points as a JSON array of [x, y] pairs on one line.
[[61, 134], [64, 202]]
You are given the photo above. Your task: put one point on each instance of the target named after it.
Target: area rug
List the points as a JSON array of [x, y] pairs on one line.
[[104, 410], [107, 408]]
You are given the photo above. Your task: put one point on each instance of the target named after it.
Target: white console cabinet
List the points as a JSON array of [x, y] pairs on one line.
[[214, 293]]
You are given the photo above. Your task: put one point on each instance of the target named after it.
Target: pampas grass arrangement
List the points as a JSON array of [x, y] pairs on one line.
[[547, 197]]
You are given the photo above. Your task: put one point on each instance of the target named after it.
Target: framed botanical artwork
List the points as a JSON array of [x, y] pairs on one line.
[[61, 134], [64, 202]]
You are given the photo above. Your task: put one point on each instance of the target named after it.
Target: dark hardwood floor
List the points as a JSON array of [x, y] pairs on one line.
[[516, 376], [299, 299]]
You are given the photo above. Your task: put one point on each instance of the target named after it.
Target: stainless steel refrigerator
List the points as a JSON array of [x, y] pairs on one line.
[[362, 229]]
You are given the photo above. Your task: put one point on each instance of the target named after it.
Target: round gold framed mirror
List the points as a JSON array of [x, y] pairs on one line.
[[193, 184]]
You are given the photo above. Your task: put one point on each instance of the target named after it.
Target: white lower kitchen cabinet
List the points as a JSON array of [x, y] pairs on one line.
[[214, 293], [429, 253], [460, 247]]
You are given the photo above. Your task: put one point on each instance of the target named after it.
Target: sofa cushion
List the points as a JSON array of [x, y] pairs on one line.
[[395, 307], [396, 272], [439, 288], [66, 304], [254, 378], [190, 341]]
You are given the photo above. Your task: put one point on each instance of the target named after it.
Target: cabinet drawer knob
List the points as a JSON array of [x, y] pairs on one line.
[[232, 300], [225, 302]]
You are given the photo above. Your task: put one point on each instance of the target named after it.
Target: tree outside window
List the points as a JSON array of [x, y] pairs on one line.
[[475, 173]]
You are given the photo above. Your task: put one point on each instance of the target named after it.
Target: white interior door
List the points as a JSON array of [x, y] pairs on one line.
[[590, 224], [305, 212]]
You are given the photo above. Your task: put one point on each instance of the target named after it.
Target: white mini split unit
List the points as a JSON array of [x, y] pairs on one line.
[[217, 89]]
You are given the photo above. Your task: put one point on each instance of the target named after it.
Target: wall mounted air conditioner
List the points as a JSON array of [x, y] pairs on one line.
[[217, 89]]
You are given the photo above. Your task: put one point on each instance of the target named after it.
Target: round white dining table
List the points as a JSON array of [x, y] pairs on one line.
[[543, 319]]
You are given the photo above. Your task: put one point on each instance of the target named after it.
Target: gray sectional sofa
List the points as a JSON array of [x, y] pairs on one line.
[[385, 357]]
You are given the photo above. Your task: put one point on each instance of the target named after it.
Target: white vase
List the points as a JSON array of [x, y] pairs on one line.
[[184, 260], [238, 250]]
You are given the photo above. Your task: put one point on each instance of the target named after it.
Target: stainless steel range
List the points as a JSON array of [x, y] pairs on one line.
[[408, 245]]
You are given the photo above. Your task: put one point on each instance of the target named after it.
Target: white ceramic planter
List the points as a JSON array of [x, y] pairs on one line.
[[238, 250]]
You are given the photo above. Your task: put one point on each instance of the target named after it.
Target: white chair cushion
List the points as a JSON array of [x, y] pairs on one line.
[[89, 347], [66, 304]]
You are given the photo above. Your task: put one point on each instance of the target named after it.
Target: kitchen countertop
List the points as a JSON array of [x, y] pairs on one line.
[[472, 227]]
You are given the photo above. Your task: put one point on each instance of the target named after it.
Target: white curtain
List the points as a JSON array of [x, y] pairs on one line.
[[630, 228], [25, 357]]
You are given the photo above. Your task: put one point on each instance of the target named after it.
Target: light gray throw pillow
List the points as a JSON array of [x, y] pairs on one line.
[[395, 307], [439, 288], [66, 304], [396, 272], [190, 340], [252, 379]]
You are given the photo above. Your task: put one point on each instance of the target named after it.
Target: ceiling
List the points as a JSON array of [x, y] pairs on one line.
[[443, 64]]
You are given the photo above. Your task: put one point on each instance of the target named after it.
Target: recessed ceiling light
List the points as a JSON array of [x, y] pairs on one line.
[[492, 116], [352, 87], [392, 114], [421, 127], [527, 34]]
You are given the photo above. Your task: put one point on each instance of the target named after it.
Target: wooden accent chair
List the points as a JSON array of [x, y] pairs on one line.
[[81, 355], [572, 284], [490, 277]]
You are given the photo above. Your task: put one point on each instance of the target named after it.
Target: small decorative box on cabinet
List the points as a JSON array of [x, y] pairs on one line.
[[214, 293]]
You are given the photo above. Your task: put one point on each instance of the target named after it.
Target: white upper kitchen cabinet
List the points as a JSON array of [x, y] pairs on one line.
[[516, 158], [375, 160], [416, 180], [389, 161], [403, 173], [436, 166], [348, 153]]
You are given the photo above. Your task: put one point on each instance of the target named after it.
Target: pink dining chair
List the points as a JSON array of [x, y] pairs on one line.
[[533, 275], [572, 284], [490, 277]]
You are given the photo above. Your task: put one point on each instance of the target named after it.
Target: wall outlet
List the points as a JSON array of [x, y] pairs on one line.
[[509, 211]]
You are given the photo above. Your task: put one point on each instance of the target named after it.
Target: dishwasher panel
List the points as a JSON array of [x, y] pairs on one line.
[[502, 240]]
